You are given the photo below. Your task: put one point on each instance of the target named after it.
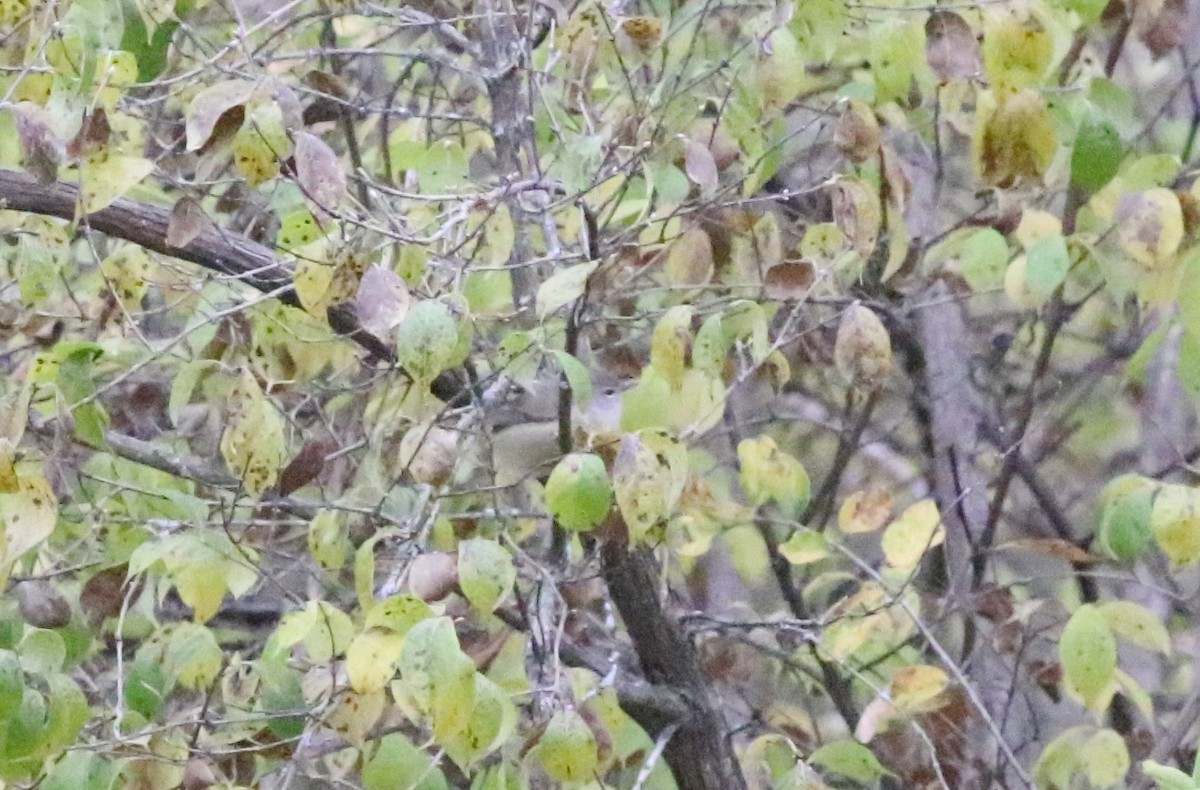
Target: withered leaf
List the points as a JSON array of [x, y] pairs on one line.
[[382, 300], [319, 172], [187, 221], [951, 48], [41, 149], [93, 135]]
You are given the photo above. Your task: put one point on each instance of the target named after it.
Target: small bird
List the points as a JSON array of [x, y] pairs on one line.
[[525, 433]]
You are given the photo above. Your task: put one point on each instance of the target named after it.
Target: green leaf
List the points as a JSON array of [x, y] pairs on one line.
[[1088, 653], [1105, 759], [371, 659], [12, 684], [42, 652], [398, 763], [427, 339], [146, 687], [193, 657], [850, 759], [440, 167], [184, 383], [1168, 778], [75, 383], [578, 492], [439, 676], [486, 573], [1097, 154], [398, 613], [82, 771], [577, 375], [983, 257], [1046, 265], [804, 547], [1124, 527], [105, 176], [493, 721], [567, 748], [1059, 760], [563, 287]]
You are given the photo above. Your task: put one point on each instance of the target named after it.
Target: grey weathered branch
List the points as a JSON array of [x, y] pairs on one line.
[[213, 248]]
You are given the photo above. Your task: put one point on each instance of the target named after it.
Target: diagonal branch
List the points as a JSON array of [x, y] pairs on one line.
[[213, 248]]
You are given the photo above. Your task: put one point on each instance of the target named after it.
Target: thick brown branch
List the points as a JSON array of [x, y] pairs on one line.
[[699, 753]]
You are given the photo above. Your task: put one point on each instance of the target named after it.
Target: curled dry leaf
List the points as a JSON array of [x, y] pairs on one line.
[[209, 105], [724, 149], [93, 135], [104, 594], [319, 172], [187, 221], [382, 300], [862, 351], [951, 48]]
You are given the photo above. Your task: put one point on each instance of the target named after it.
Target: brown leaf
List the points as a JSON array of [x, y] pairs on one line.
[[995, 604], [93, 135], [305, 467], [187, 221], [951, 48], [1057, 548], [857, 133], [329, 84], [104, 594], [789, 281], [319, 172]]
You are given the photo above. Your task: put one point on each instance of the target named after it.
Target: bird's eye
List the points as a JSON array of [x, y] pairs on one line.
[[610, 391]]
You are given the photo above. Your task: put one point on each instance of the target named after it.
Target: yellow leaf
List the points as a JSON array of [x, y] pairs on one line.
[[1150, 227], [1016, 50], [804, 547], [106, 176], [918, 529], [371, 660], [917, 689], [28, 515], [1137, 625], [1175, 521], [1014, 138], [770, 474], [865, 511]]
